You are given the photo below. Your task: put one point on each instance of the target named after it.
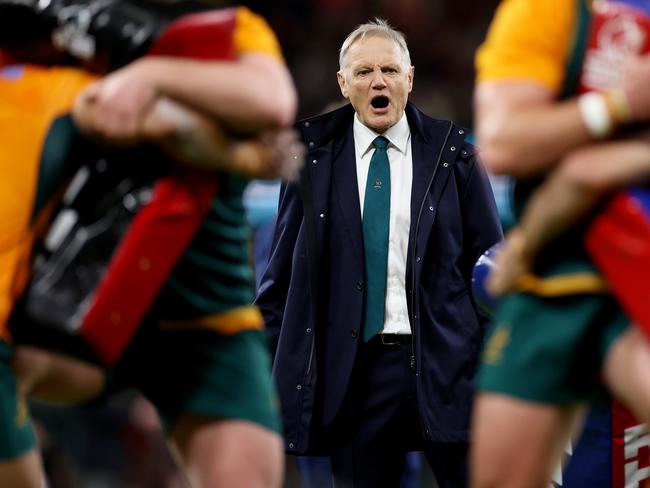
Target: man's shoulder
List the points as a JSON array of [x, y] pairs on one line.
[[426, 124], [434, 129], [322, 120], [326, 126]]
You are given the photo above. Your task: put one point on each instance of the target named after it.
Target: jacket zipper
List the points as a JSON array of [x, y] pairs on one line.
[[311, 351], [415, 244]]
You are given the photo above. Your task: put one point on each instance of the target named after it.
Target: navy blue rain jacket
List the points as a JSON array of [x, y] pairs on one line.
[[311, 294]]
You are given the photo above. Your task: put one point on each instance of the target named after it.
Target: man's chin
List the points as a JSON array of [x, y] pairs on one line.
[[380, 124]]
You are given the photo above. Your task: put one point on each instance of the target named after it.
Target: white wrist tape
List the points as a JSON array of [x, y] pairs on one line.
[[595, 114]]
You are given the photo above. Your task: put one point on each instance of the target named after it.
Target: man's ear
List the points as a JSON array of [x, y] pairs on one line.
[[342, 84], [410, 77]]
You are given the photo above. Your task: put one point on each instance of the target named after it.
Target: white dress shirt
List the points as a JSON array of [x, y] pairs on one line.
[[401, 177]]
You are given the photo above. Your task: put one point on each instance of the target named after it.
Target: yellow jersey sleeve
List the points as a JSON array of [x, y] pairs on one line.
[[28, 107], [253, 34], [528, 40]]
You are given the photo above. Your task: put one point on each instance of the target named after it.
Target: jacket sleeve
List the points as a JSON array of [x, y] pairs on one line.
[[481, 225], [274, 285]]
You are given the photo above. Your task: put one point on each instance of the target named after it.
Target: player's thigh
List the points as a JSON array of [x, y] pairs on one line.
[[25, 471], [517, 443], [626, 371], [226, 452]]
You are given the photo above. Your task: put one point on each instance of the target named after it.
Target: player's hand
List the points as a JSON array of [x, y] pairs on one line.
[[286, 154], [274, 154], [113, 109], [511, 263]]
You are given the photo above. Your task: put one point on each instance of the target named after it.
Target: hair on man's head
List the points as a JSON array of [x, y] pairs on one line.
[[376, 27]]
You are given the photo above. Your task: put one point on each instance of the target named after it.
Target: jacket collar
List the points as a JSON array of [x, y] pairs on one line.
[[321, 129], [397, 135]]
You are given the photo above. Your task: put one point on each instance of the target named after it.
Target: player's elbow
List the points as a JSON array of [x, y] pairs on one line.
[[498, 151], [277, 100], [499, 158], [281, 108]]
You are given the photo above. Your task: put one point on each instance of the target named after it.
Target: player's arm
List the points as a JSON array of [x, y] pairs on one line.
[[523, 131], [249, 95], [256, 92], [569, 193], [252, 94], [194, 139], [520, 128], [191, 107]]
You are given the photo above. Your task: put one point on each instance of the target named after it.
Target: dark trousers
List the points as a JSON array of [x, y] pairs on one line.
[[379, 424]]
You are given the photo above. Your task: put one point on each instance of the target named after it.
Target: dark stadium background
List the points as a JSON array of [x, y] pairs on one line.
[[442, 37]]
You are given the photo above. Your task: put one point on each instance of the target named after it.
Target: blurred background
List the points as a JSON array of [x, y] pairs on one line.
[[120, 444], [442, 36]]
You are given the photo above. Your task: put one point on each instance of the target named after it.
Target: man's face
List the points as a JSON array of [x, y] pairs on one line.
[[376, 81]]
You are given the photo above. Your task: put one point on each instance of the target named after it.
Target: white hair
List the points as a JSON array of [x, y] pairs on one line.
[[377, 27]]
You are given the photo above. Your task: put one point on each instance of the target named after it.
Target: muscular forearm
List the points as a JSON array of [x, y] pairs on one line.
[[554, 207], [520, 132], [568, 193], [249, 96], [252, 94], [197, 140], [523, 131], [578, 184]]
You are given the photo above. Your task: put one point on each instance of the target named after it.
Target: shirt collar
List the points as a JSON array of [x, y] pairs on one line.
[[397, 135]]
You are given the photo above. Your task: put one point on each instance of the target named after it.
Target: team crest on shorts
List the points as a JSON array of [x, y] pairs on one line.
[[493, 352], [22, 412]]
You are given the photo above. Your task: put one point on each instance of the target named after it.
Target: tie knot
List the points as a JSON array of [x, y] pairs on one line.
[[380, 142]]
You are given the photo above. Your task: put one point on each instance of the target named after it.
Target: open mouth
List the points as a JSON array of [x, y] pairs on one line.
[[380, 102]]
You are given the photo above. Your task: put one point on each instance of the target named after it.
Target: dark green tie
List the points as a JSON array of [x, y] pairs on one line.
[[376, 214]]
